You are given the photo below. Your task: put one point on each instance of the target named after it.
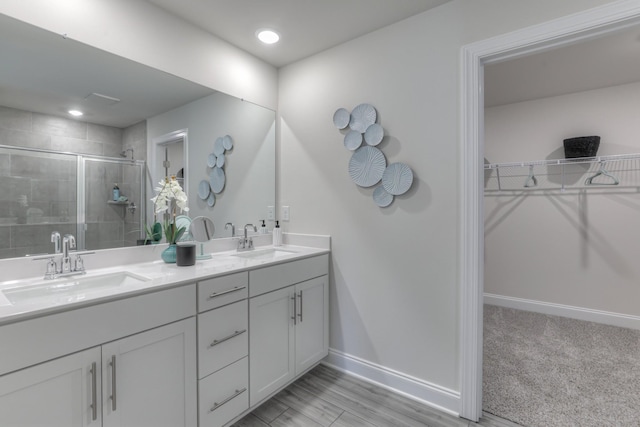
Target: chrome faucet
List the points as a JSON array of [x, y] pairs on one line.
[[68, 242], [246, 243], [62, 251]]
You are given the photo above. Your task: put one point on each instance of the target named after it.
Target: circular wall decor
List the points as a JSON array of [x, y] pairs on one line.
[[220, 161], [397, 178], [211, 200], [218, 147], [211, 160], [217, 179], [366, 166], [381, 197], [204, 189], [363, 116], [374, 134], [341, 118], [352, 140], [227, 142]]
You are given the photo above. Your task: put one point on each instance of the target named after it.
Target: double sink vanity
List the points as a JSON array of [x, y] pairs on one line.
[[154, 344]]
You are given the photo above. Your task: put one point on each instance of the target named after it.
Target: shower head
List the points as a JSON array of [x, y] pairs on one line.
[[123, 153]]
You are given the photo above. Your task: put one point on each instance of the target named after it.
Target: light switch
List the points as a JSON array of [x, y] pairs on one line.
[[271, 213], [285, 213]]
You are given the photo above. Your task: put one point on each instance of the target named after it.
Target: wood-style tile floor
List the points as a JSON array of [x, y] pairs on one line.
[[326, 397]]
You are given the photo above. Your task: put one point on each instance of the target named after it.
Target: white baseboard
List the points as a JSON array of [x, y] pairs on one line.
[[590, 315], [413, 388]]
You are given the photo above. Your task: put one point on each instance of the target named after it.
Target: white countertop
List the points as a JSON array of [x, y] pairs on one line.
[[159, 274]]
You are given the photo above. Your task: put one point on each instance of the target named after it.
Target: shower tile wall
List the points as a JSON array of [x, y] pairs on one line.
[[135, 137], [50, 185]]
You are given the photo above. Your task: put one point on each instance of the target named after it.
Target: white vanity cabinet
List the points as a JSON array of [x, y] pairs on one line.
[[289, 319], [147, 378], [223, 349]]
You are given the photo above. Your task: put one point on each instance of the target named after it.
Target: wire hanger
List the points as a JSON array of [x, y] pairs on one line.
[[531, 181], [602, 171]]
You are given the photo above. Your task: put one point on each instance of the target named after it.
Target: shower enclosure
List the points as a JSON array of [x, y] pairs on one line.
[[45, 191]]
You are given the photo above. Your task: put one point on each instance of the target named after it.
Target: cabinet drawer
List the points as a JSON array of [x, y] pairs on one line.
[[269, 279], [221, 291], [222, 337], [223, 396]]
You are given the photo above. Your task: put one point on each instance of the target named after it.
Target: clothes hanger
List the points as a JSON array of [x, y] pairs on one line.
[[603, 172], [531, 180]]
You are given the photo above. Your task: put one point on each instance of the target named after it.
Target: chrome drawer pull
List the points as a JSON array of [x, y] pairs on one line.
[[233, 335], [94, 392], [113, 382], [228, 291], [216, 405]]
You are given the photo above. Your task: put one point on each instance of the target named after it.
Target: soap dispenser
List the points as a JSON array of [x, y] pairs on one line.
[[277, 234], [263, 228], [116, 192]]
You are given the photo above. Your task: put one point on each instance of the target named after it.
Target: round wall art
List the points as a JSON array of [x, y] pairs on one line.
[[366, 166]]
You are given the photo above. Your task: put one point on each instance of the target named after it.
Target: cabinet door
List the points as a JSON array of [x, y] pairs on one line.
[[312, 324], [60, 393], [149, 379], [271, 343]]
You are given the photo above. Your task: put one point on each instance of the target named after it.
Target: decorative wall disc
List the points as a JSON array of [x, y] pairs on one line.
[[366, 166], [218, 147], [211, 200], [363, 116], [227, 142], [217, 179], [381, 197], [397, 178], [211, 160], [341, 118], [352, 140], [374, 134], [220, 161], [204, 189]]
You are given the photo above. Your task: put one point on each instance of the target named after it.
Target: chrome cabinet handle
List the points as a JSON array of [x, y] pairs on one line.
[[113, 382], [237, 393], [300, 314], [295, 309], [94, 392], [228, 291], [233, 335]]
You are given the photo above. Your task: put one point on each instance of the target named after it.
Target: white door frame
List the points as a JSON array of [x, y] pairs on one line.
[[552, 34]]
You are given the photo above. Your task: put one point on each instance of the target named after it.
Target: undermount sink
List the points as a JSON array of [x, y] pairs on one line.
[[269, 253], [70, 289]]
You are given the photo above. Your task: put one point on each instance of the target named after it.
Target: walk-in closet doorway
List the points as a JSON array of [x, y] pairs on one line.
[[500, 213]]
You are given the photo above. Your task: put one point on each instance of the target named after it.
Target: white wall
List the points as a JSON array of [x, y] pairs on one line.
[[249, 166], [394, 295], [573, 248], [137, 30]]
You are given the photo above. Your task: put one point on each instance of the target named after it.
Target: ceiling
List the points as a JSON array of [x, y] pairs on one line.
[[306, 27], [610, 60]]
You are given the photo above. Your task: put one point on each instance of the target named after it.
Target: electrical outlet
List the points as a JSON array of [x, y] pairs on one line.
[[271, 216], [285, 213]]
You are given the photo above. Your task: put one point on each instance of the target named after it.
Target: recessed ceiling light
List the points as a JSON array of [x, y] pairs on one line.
[[268, 36], [75, 113]]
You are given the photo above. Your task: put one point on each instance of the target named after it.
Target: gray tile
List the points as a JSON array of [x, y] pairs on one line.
[[11, 118], [18, 138], [5, 237], [5, 164], [250, 421], [291, 418], [24, 236], [76, 145], [105, 134], [58, 126], [347, 419], [98, 233], [270, 410], [14, 187], [307, 404]]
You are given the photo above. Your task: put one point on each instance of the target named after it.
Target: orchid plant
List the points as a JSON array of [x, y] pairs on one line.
[[169, 199]]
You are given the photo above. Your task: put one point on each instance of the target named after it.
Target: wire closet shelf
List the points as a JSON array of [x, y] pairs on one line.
[[618, 171]]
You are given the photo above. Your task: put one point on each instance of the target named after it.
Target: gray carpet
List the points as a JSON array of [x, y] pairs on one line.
[[545, 371]]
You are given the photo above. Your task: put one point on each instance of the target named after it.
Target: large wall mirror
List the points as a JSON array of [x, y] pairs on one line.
[[59, 172]]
